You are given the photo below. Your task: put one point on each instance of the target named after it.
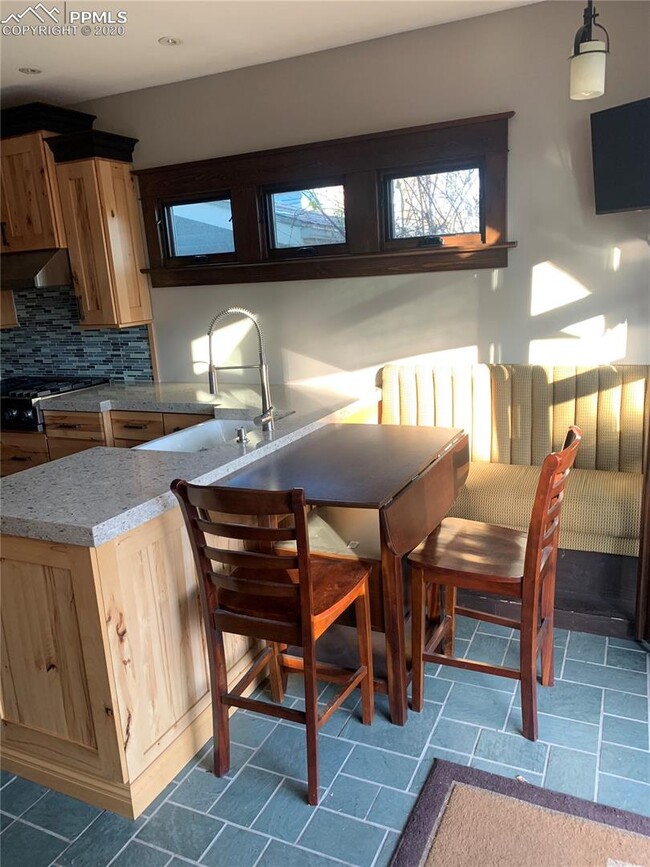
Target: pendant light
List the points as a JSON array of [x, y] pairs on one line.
[[589, 58]]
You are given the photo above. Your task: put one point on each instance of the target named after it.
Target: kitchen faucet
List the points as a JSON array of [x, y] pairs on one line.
[[266, 418]]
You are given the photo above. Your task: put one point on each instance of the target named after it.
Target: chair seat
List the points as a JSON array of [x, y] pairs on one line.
[[475, 551], [335, 585]]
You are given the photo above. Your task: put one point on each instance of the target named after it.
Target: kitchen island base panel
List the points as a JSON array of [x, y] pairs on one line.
[[105, 689]]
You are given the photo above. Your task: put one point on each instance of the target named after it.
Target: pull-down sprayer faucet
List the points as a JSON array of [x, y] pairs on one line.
[[266, 418]]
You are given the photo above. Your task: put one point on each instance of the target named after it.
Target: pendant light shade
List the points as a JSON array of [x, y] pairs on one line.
[[589, 58]]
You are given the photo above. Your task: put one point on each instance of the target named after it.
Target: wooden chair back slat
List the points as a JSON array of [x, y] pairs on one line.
[[271, 589], [246, 532], [249, 559], [234, 501]]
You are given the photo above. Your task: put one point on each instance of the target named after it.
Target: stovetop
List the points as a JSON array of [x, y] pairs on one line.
[[20, 397], [33, 387]]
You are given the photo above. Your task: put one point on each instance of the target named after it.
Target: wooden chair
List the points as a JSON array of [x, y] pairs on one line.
[[491, 559], [283, 600]]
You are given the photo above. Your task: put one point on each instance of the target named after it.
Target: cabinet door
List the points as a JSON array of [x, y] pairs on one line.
[[58, 708], [87, 243], [126, 248], [30, 201]]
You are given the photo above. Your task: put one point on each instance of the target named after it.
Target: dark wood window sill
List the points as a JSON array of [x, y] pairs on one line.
[[324, 267]]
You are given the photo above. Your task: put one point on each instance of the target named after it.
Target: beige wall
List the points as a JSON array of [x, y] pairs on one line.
[[511, 60]]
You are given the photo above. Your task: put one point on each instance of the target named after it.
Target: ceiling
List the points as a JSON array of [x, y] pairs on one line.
[[217, 35]]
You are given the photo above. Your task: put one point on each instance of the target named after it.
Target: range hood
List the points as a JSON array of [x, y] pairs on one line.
[[35, 269]]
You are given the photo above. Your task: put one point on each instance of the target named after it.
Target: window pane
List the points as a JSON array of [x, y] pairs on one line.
[[308, 218], [445, 203], [201, 228]]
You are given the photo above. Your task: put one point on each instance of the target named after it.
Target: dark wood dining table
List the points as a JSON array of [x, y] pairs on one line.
[[409, 475]]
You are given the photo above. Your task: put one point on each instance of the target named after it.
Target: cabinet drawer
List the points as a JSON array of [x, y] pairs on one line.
[[22, 450], [140, 426], [173, 421], [74, 425], [59, 448], [127, 444]]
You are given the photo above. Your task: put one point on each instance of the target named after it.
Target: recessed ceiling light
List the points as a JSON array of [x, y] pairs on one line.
[[30, 70], [170, 40]]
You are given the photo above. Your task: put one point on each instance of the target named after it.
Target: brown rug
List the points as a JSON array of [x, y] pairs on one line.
[[469, 818]]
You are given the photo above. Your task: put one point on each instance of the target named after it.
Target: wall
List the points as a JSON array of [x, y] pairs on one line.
[[50, 341], [564, 297]]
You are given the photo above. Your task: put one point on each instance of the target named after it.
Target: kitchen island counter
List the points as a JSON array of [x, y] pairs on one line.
[[93, 496]]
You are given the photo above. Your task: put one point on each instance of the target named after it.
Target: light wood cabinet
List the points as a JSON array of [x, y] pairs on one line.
[[105, 676], [133, 428], [72, 432], [105, 245], [30, 209], [174, 421], [21, 450], [8, 318]]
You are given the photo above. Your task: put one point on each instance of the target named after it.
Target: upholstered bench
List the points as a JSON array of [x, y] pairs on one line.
[[515, 415]]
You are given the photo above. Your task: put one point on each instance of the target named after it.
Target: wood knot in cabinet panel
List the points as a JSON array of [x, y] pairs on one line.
[[120, 628]]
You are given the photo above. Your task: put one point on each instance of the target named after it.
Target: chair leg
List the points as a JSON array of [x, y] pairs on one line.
[[364, 644], [417, 638], [220, 723], [528, 671], [277, 675], [548, 611], [450, 611], [311, 721]]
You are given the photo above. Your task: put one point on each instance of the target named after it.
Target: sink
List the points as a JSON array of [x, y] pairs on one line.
[[207, 435]]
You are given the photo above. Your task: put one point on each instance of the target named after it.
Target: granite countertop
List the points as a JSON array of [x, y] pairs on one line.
[[93, 496], [169, 397]]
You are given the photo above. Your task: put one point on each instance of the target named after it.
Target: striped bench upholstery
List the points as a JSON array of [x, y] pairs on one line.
[[516, 414]]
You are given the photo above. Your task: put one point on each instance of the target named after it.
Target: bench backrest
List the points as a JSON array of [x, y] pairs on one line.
[[518, 413]]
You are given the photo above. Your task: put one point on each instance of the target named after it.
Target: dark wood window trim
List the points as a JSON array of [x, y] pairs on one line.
[[165, 233], [284, 253], [361, 163]]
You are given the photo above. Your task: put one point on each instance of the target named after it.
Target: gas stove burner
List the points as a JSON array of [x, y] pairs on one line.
[[20, 397]]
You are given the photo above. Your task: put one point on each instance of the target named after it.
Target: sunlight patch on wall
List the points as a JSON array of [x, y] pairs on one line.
[[552, 288], [587, 342], [355, 382], [226, 347], [614, 259]]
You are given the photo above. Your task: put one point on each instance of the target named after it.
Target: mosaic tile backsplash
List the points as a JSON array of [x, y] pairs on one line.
[[50, 341]]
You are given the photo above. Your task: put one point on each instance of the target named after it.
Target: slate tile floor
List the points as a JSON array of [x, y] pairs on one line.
[[593, 744]]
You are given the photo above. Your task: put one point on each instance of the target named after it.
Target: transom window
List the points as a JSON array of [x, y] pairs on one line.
[[434, 204], [200, 228], [307, 217]]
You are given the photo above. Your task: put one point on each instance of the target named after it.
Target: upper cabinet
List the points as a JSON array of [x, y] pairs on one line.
[[67, 185], [30, 209], [31, 213], [100, 213]]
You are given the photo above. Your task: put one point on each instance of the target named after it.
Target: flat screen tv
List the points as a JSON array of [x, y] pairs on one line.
[[620, 141]]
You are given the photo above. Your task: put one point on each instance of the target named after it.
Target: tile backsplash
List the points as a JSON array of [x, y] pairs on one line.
[[50, 341]]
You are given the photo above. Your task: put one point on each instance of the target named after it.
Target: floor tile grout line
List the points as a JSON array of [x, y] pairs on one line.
[[379, 851], [600, 686], [626, 779], [600, 743], [51, 833], [259, 857], [80, 835]]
